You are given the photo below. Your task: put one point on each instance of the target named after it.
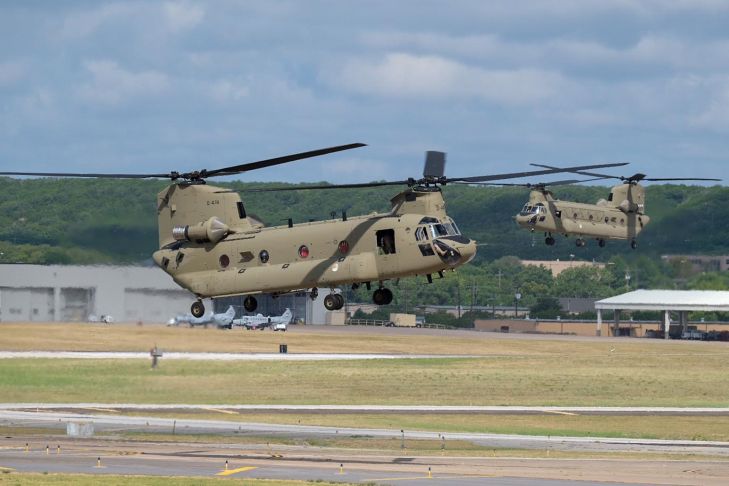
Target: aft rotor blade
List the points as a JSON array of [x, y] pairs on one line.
[[517, 175], [681, 179], [237, 169], [581, 172], [538, 184]]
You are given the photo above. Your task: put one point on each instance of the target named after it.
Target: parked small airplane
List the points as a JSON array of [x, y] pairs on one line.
[[222, 321], [260, 321]]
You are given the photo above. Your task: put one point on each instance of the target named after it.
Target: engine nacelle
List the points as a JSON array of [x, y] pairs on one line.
[[211, 231]]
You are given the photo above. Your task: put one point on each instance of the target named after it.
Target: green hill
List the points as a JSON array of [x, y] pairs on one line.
[[114, 221]]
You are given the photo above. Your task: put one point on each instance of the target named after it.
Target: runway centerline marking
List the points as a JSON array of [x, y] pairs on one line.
[[559, 412], [235, 471]]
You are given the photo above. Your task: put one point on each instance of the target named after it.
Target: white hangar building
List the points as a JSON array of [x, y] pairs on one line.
[[64, 293], [679, 302]]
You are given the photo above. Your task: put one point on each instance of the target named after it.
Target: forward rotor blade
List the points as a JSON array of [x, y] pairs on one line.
[[323, 186], [635, 177], [103, 176], [237, 169], [516, 175]]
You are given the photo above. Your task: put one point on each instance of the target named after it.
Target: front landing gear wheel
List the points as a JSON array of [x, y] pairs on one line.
[[601, 243], [250, 304], [580, 242], [197, 309], [549, 240], [633, 244], [382, 296]]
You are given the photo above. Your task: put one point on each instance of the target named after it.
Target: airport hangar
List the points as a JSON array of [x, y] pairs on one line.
[[665, 301], [68, 293]]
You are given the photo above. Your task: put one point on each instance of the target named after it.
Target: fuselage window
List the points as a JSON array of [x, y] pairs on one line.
[[386, 241], [421, 234], [241, 210]]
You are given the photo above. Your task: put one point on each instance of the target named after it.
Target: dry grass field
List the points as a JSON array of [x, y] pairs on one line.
[[494, 370]]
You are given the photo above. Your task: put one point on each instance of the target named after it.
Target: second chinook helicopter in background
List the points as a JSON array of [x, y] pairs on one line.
[[621, 217]]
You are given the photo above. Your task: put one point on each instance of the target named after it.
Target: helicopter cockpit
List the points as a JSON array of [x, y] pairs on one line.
[[529, 209], [436, 229]]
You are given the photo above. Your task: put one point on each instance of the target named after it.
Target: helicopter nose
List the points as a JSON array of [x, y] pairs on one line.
[[522, 220], [468, 251]]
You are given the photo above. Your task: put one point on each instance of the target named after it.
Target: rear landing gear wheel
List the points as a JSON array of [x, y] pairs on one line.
[[549, 240], [601, 243], [197, 309], [250, 304], [633, 244], [580, 242], [382, 296], [314, 293]]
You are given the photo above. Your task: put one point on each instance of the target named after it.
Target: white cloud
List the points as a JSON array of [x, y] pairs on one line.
[[182, 15], [402, 75], [85, 23], [112, 85], [224, 91]]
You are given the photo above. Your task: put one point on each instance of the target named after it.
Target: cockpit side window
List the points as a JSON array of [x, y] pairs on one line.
[[421, 234]]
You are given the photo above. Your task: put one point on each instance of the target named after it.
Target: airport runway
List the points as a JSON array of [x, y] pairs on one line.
[[105, 456], [104, 421]]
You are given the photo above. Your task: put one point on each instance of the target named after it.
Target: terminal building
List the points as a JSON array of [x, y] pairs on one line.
[[70, 293]]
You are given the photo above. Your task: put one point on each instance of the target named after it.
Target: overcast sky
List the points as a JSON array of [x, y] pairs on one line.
[[139, 86]]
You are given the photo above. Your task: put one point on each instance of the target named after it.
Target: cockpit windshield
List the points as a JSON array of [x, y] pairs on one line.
[[447, 228], [437, 230], [528, 209]]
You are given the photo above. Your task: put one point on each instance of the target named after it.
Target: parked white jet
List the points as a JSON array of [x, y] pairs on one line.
[[222, 321], [261, 322]]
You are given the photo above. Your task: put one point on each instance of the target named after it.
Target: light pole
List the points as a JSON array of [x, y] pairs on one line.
[[517, 296], [627, 280]]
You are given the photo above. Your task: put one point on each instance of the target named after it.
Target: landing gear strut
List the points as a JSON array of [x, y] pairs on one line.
[[250, 304], [549, 240], [382, 296], [333, 302], [601, 243], [197, 309]]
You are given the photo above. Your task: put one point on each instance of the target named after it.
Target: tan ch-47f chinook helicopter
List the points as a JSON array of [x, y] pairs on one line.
[[211, 247], [620, 217]]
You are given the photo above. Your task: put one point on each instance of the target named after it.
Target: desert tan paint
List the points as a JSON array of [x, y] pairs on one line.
[[620, 218], [223, 257]]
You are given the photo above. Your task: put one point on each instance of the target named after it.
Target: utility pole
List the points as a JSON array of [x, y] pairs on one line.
[[473, 293]]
